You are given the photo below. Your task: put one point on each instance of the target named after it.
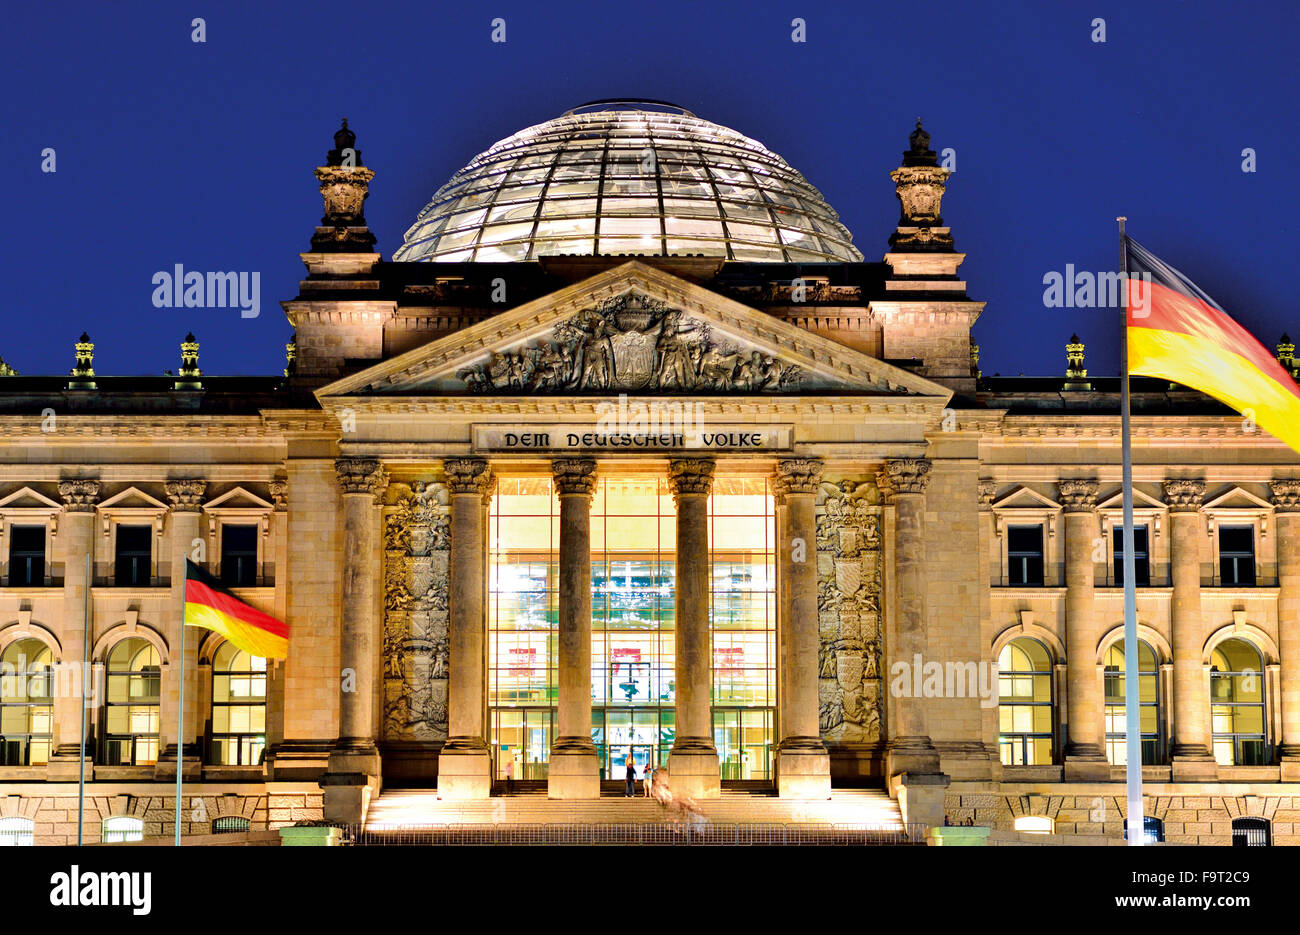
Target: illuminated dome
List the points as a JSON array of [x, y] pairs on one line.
[[628, 178]]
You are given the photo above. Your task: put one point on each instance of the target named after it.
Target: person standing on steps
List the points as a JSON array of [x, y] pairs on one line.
[[630, 790], [649, 779], [510, 777]]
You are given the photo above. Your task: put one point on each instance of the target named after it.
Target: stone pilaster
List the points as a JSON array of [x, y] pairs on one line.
[[77, 537], [903, 484], [693, 762], [1190, 733], [574, 771], [1286, 503], [803, 764], [464, 766], [186, 498], [1085, 753], [354, 769]]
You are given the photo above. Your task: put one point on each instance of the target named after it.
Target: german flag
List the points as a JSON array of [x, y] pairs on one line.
[[1178, 333], [212, 607]]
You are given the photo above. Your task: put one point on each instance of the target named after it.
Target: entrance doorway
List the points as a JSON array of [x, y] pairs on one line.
[[522, 742]]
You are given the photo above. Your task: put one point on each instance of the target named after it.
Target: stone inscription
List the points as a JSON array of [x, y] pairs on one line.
[[591, 438]]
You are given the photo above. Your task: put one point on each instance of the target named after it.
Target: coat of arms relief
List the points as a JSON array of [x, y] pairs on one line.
[[416, 543], [632, 343], [848, 603]]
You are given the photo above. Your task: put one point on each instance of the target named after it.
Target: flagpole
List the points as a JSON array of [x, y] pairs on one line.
[[85, 672], [1132, 700], [180, 720]]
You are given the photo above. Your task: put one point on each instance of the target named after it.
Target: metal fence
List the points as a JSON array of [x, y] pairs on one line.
[[696, 833]]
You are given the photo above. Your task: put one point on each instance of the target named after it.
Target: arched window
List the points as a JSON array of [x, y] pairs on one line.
[[1025, 703], [238, 733], [131, 705], [1251, 832], [121, 828], [1148, 703], [26, 703], [1035, 824], [1237, 704], [1153, 829], [16, 832], [229, 825]]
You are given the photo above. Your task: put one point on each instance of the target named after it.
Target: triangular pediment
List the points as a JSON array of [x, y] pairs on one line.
[[1141, 501], [24, 498], [638, 330], [1022, 497], [238, 499], [133, 498], [1237, 498]]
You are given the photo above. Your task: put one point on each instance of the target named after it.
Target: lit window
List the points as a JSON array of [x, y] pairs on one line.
[[131, 708], [1034, 824], [1251, 832], [16, 832], [1237, 704], [1153, 830], [26, 703], [1025, 555], [1025, 703], [229, 825], [238, 707], [119, 828], [1148, 701], [27, 556]]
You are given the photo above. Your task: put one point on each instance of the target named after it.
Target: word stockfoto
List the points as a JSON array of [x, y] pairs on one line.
[[179, 289], [920, 679]]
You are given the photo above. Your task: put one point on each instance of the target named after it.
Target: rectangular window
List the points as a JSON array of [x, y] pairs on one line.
[[27, 557], [1141, 557], [1025, 555], [134, 556], [1237, 556], [238, 556]]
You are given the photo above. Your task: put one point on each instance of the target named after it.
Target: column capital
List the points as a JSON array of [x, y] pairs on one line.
[[1286, 495], [797, 476], [690, 476], [903, 476], [361, 475], [1078, 495], [574, 477], [280, 495], [469, 476], [1184, 496], [986, 491], [79, 496], [186, 496]]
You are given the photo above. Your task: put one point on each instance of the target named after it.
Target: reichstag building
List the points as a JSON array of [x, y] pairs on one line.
[[629, 452]]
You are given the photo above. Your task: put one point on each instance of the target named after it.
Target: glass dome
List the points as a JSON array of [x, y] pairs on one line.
[[628, 178]]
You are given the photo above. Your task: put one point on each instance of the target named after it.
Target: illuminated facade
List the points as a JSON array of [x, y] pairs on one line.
[[629, 453]]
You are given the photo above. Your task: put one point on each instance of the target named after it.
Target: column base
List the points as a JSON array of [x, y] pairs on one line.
[[921, 797], [1192, 763], [191, 764], [911, 755], [347, 796], [298, 760], [694, 771], [464, 770], [574, 771], [66, 766], [803, 772], [1290, 762], [1086, 762]]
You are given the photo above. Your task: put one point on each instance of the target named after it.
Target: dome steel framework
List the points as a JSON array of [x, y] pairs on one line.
[[628, 178]]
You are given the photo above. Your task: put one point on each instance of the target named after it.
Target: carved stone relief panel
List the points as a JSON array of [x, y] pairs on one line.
[[416, 545], [848, 602]]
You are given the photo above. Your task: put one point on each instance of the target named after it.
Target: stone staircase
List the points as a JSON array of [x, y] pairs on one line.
[[396, 809]]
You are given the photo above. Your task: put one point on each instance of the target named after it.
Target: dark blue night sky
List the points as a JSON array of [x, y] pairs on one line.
[[202, 154]]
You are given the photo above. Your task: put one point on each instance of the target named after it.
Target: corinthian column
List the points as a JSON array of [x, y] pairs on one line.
[[1085, 756], [186, 498], [803, 765], [903, 484], [1191, 716], [575, 769], [1286, 503], [361, 480], [464, 766], [77, 536], [693, 762]]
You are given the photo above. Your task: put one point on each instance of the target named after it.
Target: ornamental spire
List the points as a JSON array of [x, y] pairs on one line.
[[344, 187], [919, 184], [189, 373], [84, 372], [1286, 355], [1076, 375]]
